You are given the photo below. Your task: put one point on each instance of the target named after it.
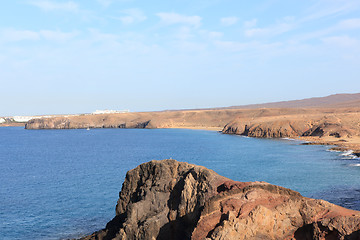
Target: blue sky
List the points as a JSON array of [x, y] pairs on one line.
[[79, 56]]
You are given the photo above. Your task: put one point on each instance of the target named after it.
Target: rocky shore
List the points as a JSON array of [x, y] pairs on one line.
[[175, 200], [334, 126]]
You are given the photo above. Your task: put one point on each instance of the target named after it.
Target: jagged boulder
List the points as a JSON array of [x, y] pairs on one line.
[[175, 200]]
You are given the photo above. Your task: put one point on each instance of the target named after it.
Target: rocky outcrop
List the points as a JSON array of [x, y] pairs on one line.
[[329, 129], [287, 126], [165, 119], [67, 123], [268, 129], [176, 200]]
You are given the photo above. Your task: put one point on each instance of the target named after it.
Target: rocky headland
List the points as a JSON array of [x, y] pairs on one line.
[[175, 200], [335, 126]]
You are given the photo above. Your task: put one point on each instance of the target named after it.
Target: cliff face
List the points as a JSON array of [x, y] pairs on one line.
[[176, 200], [79, 122], [334, 125], [166, 119]]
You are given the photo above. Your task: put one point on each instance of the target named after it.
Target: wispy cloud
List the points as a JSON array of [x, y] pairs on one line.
[[353, 23], [330, 8], [250, 23], [344, 25], [107, 3], [57, 35], [175, 18], [12, 35], [341, 41], [48, 5], [269, 31], [228, 21], [131, 16]]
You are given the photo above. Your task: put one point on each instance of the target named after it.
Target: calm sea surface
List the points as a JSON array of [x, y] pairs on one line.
[[57, 184]]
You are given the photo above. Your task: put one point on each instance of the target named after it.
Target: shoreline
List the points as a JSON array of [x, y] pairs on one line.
[[217, 129], [342, 145], [214, 129]]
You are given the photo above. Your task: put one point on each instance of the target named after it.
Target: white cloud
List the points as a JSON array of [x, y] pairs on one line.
[[107, 3], [251, 23], [131, 16], [211, 34], [57, 35], [12, 35], [48, 5], [341, 41], [175, 18], [227, 21], [330, 8], [184, 33], [350, 23], [215, 34], [98, 36], [269, 31]]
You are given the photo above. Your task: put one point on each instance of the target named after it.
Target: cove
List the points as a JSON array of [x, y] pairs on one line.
[[54, 181]]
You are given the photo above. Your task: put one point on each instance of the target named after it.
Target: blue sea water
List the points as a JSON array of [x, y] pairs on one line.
[[58, 184]]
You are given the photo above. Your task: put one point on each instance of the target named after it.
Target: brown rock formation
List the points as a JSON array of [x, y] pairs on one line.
[[176, 200], [167, 119], [335, 126], [332, 124]]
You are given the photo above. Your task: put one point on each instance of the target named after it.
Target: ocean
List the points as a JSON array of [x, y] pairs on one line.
[[59, 184]]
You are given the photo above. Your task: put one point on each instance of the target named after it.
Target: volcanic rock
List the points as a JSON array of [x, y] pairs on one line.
[[175, 200]]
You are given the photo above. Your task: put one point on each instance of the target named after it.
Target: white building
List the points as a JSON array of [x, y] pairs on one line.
[[2, 120], [109, 111], [22, 119]]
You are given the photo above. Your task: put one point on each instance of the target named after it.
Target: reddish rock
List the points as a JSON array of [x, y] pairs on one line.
[[176, 200]]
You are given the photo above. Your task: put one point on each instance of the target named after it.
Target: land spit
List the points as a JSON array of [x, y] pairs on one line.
[[333, 126]]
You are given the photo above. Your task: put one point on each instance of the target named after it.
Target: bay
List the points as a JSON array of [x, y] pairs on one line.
[[58, 184]]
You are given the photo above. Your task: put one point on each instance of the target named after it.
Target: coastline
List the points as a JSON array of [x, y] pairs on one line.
[[341, 145], [321, 149], [217, 129], [12, 125]]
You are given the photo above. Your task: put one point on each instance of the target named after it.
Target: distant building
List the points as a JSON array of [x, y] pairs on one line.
[[109, 111], [24, 119], [2, 120]]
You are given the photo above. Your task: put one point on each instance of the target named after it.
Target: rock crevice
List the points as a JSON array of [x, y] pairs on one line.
[[175, 200]]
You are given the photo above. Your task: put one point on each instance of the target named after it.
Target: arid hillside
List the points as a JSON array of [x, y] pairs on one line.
[[336, 100], [337, 124]]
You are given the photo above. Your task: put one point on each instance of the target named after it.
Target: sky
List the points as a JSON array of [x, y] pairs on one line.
[[62, 57]]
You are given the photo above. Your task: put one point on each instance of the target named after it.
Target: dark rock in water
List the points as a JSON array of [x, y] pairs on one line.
[[176, 200]]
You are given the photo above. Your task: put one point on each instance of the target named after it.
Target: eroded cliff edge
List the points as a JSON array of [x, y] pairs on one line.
[[175, 200], [335, 126]]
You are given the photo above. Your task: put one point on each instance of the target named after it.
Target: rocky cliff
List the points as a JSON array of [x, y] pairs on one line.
[[165, 119], [176, 200], [306, 125]]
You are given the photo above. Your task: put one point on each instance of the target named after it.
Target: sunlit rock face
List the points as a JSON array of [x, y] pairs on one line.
[[175, 200]]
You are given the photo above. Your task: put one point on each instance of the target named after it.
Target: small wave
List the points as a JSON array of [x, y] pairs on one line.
[[332, 150], [290, 139], [355, 165], [347, 153], [349, 157]]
